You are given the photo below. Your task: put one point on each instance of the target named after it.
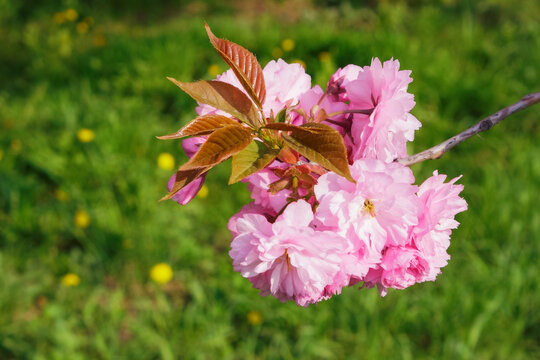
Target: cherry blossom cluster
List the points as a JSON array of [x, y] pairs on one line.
[[309, 232]]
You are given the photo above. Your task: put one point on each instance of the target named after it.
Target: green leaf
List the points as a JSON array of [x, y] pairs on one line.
[[203, 125], [250, 160], [222, 96], [281, 116], [244, 65], [220, 145], [321, 144], [183, 178]]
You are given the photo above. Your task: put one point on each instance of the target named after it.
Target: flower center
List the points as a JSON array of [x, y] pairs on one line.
[[369, 208], [287, 259]]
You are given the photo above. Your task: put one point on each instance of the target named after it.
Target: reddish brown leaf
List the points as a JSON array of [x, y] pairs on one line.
[[244, 65], [203, 125], [222, 96], [221, 144], [321, 144], [183, 178]]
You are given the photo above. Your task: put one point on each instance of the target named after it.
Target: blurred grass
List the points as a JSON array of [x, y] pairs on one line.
[[469, 59]]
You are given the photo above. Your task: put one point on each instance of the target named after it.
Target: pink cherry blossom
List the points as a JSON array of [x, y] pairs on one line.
[[378, 210], [440, 204], [285, 83], [401, 267], [383, 134], [340, 79], [184, 196], [288, 259]]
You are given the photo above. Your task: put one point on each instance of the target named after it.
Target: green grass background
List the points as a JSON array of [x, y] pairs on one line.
[[469, 59]]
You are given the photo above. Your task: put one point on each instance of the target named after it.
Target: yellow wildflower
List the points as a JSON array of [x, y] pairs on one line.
[[165, 161], [16, 145], [82, 219], [203, 192], [82, 27], [325, 56], [71, 279], [61, 195], [277, 53], [99, 40], [59, 18], [85, 135], [287, 44], [71, 14], [214, 70], [254, 317], [161, 273]]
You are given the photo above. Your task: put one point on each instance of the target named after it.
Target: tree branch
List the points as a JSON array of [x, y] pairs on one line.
[[487, 123]]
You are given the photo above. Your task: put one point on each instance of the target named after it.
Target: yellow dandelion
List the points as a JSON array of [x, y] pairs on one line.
[[15, 145], [99, 40], [81, 219], [71, 279], [71, 14], [301, 62], [61, 195], [254, 317], [59, 17], [161, 273], [287, 44], [165, 161], [277, 53], [203, 192], [214, 70], [82, 27], [325, 56], [85, 135]]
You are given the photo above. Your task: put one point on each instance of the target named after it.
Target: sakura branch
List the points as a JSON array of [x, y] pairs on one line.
[[331, 208], [487, 123]]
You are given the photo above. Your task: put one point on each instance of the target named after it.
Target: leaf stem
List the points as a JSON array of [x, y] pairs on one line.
[[352, 111]]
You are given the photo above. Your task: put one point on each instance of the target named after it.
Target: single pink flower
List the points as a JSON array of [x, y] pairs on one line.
[[401, 267], [383, 134], [288, 259], [440, 204], [285, 83], [340, 79], [378, 210], [184, 196]]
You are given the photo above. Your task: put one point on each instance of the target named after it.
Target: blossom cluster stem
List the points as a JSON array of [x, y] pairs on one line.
[[487, 123], [353, 111]]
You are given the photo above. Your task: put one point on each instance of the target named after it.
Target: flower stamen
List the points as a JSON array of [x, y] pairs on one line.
[[369, 208]]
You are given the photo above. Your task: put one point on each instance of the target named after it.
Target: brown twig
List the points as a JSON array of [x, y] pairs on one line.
[[487, 123]]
